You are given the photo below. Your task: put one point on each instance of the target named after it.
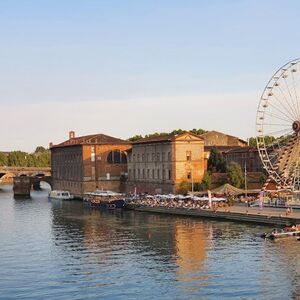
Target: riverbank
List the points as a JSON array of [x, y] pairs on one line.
[[269, 216]]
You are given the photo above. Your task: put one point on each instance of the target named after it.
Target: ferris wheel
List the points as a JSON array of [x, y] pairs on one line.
[[278, 127]]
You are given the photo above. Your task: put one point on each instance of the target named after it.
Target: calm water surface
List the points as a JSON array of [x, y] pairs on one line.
[[61, 250]]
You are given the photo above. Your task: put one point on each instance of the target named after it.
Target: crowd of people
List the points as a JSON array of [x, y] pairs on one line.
[[179, 201]]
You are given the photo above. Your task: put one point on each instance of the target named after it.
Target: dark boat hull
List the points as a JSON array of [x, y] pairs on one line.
[[114, 204], [274, 236]]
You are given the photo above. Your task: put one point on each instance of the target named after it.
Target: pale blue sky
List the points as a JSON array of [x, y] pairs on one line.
[[152, 65]]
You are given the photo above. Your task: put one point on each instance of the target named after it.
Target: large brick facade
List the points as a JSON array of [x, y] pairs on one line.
[[159, 165], [86, 163]]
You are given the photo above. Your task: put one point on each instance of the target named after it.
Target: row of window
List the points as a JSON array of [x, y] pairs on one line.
[[150, 174], [66, 157], [157, 157], [151, 157], [72, 172], [69, 184]]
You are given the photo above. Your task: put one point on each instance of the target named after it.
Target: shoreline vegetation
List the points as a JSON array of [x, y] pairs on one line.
[[41, 157]]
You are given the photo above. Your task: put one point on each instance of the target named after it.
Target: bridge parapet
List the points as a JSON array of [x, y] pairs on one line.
[[30, 171]]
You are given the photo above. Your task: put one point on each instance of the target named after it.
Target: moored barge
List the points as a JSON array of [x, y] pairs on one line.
[[104, 200]]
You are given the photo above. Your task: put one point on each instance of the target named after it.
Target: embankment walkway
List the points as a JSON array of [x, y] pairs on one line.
[[271, 216]]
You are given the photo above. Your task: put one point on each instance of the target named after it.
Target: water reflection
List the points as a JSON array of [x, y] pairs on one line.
[[58, 250], [191, 247]]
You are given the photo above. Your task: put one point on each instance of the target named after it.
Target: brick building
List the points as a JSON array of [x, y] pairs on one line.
[[83, 164], [160, 164], [245, 156]]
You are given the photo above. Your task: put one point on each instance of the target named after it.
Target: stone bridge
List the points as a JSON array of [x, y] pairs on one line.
[[37, 174]]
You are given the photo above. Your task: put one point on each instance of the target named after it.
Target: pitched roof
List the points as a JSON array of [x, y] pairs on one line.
[[92, 139], [203, 135], [155, 139]]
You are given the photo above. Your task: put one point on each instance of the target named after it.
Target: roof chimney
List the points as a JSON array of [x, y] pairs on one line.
[[71, 135], [50, 145]]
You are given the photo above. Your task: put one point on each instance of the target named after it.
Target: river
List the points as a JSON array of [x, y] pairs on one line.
[[62, 250]]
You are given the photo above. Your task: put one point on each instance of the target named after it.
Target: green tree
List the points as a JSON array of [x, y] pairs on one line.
[[184, 187], [206, 182], [40, 149], [235, 175], [268, 140], [43, 159], [216, 161], [17, 159], [198, 131], [3, 159], [262, 178], [135, 138]]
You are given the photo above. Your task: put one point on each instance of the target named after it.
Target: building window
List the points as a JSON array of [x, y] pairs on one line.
[[143, 157], [138, 158], [153, 174], [169, 156], [189, 175], [158, 174], [148, 157], [169, 175], [163, 156], [148, 174], [153, 156], [188, 155], [158, 156], [163, 174], [133, 157], [138, 176], [117, 157]]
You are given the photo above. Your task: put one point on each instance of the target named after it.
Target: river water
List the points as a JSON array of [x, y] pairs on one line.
[[62, 250]]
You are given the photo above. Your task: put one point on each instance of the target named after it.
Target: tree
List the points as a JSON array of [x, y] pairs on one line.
[[198, 131], [135, 138], [17, 159], [184, 187], [268, 140], [216, 161], [235, 175], [3, 159], [262, 178], [40, 149], [206, 182]]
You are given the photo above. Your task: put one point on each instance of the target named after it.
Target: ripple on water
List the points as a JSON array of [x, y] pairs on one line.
[[65, 251]]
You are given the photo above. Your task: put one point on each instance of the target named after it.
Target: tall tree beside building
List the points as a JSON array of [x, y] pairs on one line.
[[235, 175], [216, 161], [206, 182]]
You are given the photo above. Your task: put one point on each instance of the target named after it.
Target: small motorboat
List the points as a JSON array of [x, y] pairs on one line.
[[104, 199], [282, 233], [60, 195]]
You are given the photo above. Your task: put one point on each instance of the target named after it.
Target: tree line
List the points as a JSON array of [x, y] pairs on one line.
[[41, 157], [175, 131]]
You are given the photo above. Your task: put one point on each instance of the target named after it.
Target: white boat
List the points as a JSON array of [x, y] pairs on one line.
[[61, 195]]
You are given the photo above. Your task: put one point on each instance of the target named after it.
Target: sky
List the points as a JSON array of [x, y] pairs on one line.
[[123, 67]]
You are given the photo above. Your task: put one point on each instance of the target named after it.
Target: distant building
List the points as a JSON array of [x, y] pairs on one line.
[[160, 164], [83, 164], [246, 157], [219, 139]]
